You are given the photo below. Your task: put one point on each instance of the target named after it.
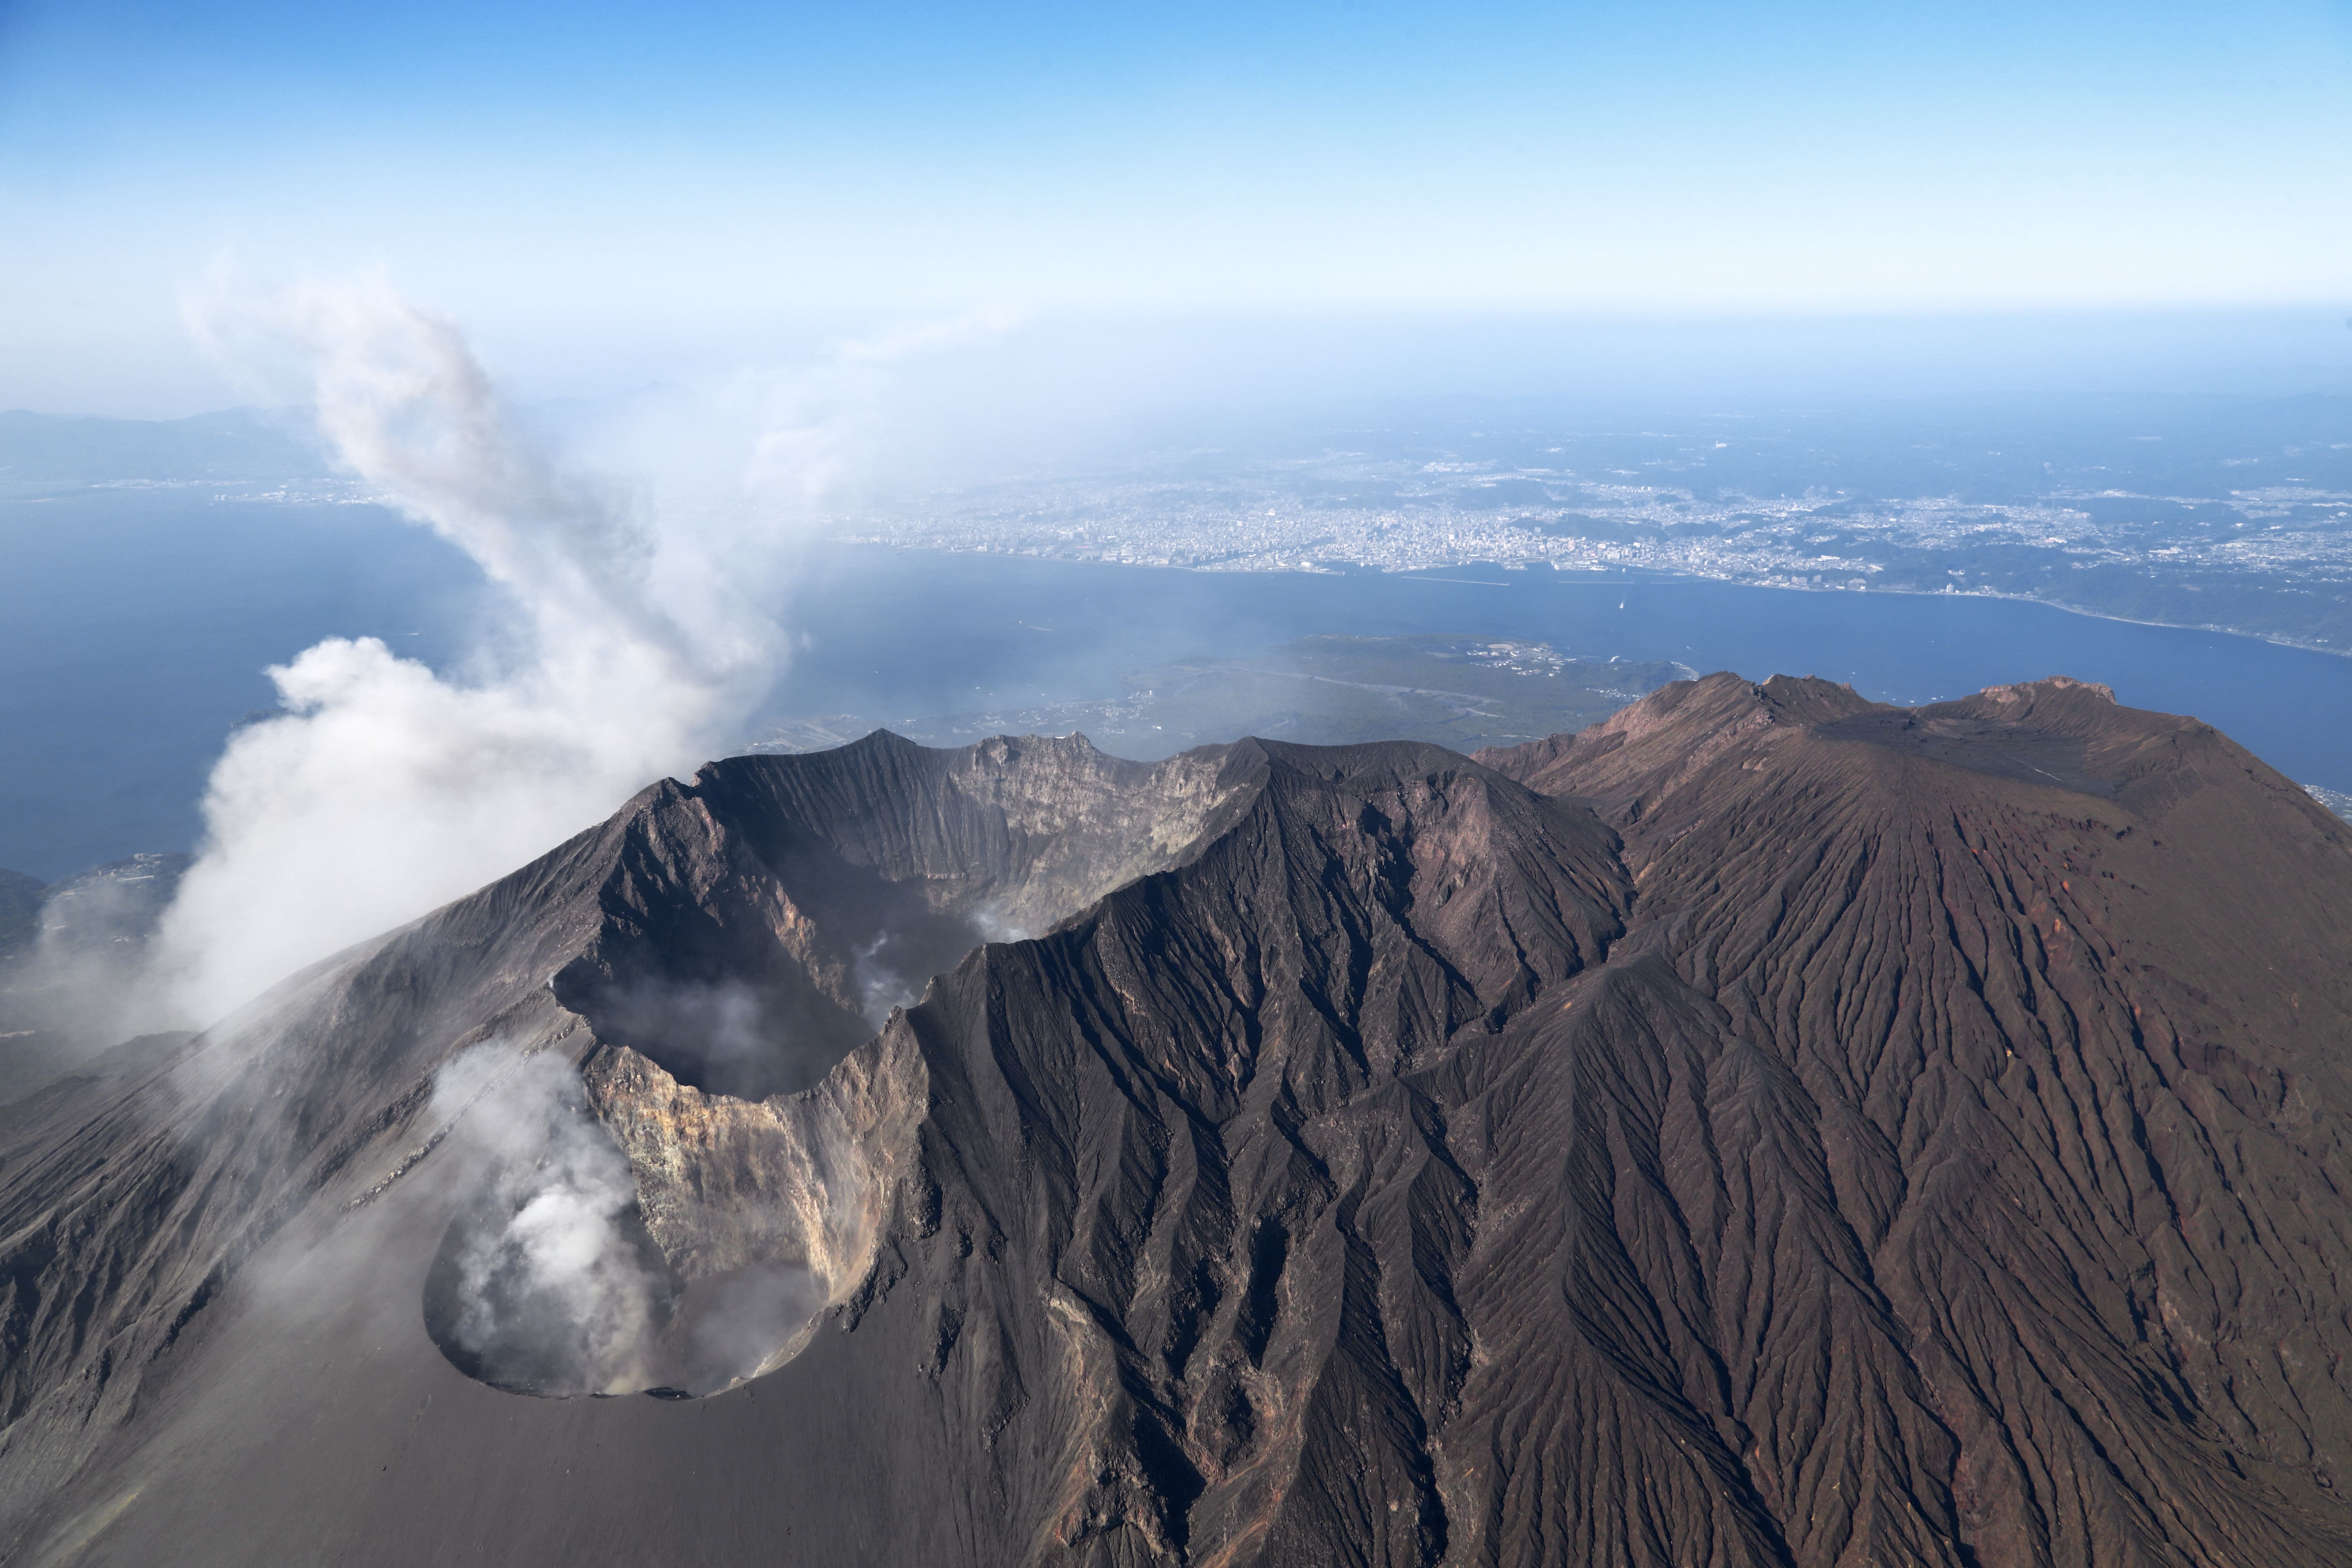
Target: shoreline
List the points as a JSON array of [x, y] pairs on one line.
[[1601, 575]]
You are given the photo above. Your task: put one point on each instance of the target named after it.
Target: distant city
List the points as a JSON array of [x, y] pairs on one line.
[[2244, 530], [2233, 514]]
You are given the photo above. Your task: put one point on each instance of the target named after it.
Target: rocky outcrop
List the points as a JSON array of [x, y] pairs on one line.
[[789, 1191]]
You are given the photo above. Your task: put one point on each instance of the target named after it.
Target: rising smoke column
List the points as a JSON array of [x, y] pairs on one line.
[[637, 645], [544, 1287]]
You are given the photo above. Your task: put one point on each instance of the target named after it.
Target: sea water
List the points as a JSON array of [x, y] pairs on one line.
[[135, 627], [922, 633]]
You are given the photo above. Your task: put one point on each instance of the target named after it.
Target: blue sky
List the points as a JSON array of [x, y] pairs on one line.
[[590, 185]]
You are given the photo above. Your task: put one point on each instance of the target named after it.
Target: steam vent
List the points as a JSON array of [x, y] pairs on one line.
[[1766, 1128]]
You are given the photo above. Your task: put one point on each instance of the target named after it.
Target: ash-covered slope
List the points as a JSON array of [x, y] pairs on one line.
[[1767, 1128], [2011, 1168]]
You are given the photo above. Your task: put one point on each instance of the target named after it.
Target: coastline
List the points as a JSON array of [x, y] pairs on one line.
[[1597, 577]]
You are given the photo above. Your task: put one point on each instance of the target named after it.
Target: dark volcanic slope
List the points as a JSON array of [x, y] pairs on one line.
[[1775, 1129], [2012, 1167]]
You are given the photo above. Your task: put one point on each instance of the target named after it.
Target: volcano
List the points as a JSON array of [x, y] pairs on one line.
[[1765, 1128]]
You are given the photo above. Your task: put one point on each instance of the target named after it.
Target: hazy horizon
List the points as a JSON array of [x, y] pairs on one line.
[[966, 398]]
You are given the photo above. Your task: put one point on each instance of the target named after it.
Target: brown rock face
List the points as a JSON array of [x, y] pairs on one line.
[[1766, 1128], [2030, 1016]]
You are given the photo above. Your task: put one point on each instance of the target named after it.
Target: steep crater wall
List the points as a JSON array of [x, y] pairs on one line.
[[767, 917], [675, 1218]]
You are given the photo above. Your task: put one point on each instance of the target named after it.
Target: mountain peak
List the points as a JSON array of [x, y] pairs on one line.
[[1771, 1127]]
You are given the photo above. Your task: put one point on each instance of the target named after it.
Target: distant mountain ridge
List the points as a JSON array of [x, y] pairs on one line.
[[232, 444], [1767, 1127]]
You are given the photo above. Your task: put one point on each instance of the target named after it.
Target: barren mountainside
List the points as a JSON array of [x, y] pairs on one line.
[[1766, 1128]]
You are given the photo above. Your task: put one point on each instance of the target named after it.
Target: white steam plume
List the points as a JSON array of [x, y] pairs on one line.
[[550, 1284], [549, 1293], [641, 642]]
